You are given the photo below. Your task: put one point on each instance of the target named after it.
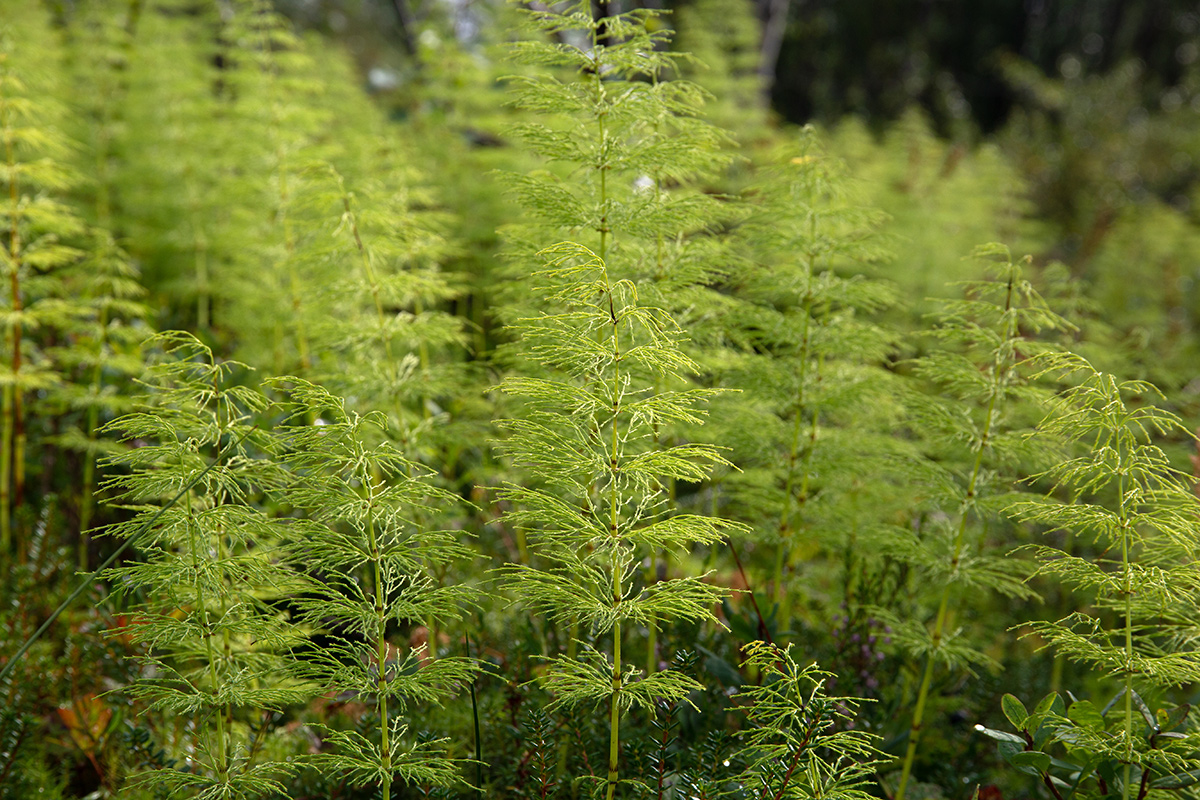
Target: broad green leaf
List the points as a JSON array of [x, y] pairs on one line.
[[1014, 710], [1031, 760], [1000, 736], [1085, 714], [1050, 704], [1179, 781]]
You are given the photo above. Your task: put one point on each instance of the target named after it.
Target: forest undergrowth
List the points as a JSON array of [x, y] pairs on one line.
[[578, 432]]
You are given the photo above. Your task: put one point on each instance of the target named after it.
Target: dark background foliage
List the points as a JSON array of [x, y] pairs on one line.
[[876, 58]]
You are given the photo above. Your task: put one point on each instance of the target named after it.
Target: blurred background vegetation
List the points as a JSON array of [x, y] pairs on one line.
[[1078, 119]]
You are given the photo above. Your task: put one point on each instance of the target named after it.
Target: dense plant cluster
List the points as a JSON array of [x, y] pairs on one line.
[[617, 454]]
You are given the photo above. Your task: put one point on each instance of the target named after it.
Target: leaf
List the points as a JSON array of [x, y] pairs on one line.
[[1000, 736], [1145, 710], [1177, 781], [1050, 704], [1085, 714], [1031, 762], [1009, 749], [1014, 710]]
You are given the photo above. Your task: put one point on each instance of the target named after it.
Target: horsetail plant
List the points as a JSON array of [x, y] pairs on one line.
[[637, 139], [98, 41], [398, 353], [809, 368], [988, 405], [607, 107], [1138, 514], [393, 333], [181, 145], [588, 438], [213, 642], [369, 568], [276, 100], [35, 226], [110, 322], [105, 333]]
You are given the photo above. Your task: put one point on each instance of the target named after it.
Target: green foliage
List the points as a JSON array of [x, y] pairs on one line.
[[1078, 749], [630, 134], [1123, 497], [392, 347], [213, 642], [638, 153], [176, 149], [588, 433], [798, 745], [723, 42], [985, 397], [943, 198], [369, 569], [812, 397], [1107, 157], [103, 358], [37, 227], [302, 620]]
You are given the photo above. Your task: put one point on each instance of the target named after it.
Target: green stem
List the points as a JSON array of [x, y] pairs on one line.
[[614, 740], [88, 500], [282, 215], [13, 332], [6, 541], [783, 552], [914, 730], [601, 113], [222, 755], [220, 498], [200, 263], [614, 736], [376, 289], [380, 645], [1127, 587], [651, 627]]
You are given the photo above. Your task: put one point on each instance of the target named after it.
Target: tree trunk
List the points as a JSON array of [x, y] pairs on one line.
[[408, 26], [774, 15]]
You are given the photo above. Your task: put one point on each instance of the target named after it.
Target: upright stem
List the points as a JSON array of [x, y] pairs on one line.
[[380, 643], [220, 498], [376, 289], [601, 113], [222, 754], [1127, 587], [614, 736], [651, 627], [282, 216], [6, 541], [289, 240], [104, 204], [614, 740], [783, 552], [200, 265], [87, 501], [14, 332]]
